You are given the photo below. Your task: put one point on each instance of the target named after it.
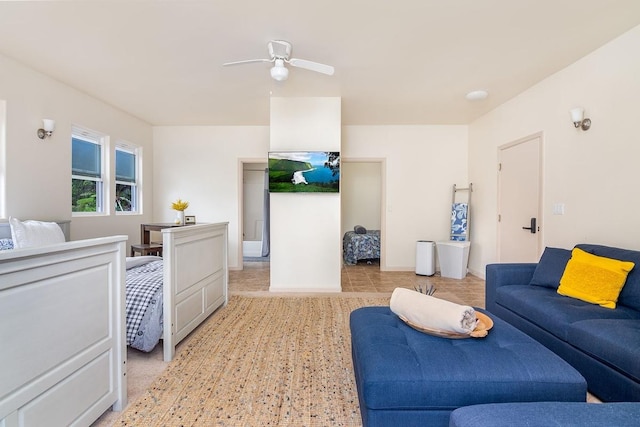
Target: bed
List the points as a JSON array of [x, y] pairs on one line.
[[62, 327], [64, 363], [360, 246], [179, 290]]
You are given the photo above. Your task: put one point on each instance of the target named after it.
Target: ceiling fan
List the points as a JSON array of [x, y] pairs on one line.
[[279, 54]]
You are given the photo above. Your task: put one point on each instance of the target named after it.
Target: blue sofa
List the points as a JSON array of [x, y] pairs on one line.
[[565, 414], [602, 344]]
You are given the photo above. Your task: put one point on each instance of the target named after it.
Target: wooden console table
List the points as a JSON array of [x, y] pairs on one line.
[[147, 249], [146, 229]]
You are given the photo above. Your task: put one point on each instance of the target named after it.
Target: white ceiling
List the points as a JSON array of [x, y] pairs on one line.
[[397, 62]]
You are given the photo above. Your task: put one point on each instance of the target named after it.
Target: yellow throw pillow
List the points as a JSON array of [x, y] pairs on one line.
[[593, 278]]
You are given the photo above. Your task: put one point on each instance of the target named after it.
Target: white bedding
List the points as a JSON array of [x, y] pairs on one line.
[[29, 234]]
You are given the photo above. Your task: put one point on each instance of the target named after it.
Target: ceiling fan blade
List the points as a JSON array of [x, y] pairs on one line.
[[247, 61], [313, 66]]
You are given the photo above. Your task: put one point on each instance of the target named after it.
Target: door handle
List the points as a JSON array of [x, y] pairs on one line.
[[533, 226]]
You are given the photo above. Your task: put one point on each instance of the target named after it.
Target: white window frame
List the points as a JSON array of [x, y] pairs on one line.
[[136, 199], [102, 208]]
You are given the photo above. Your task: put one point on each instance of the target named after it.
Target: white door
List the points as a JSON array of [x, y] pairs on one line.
[[519, 195]]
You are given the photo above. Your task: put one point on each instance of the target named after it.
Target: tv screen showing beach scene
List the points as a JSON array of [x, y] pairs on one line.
[[304, 172]]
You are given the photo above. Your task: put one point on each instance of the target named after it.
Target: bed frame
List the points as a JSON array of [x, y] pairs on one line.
[[196, 278], [62, 320], [62, 331]]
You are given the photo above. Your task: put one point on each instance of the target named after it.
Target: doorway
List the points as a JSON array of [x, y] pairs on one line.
[[519, 200], [253, 212], [362, 198]]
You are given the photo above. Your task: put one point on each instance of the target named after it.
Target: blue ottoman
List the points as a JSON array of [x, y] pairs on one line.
[[408, 378], [563, 414]]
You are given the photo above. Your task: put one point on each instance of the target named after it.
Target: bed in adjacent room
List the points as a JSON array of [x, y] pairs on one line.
[[360, 244]]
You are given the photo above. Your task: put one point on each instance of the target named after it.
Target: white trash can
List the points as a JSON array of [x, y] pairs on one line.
[[453, 257], [425, 258]]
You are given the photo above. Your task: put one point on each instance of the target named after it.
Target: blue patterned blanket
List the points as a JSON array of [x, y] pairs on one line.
[[360, 246]]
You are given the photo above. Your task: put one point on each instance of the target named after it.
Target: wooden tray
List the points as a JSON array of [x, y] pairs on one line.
[[482, 328]]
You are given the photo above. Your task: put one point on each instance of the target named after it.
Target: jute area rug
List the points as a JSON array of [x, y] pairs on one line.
[[276, 361]]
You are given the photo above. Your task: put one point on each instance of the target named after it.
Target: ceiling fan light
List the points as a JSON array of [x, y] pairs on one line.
[[279, 73]]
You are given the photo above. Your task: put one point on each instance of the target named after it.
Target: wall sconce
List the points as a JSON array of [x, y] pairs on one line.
[[48, 126], [577, 117]]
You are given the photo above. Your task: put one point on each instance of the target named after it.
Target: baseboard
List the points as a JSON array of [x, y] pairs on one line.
[[305, 290]]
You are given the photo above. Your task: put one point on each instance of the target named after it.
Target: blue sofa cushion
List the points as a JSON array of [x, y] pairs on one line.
[[630, 294], [400, 369], [553, 312], [615, 342], [550, 268], [565, 414]]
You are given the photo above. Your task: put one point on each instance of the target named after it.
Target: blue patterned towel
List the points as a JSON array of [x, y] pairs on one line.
[[459, 221]]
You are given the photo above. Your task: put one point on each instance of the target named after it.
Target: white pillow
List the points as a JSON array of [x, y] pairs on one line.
[[27, 234]]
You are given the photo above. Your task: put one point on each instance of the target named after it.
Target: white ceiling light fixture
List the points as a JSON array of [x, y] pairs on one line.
[[279, 55], [477, 95], [279, 72]]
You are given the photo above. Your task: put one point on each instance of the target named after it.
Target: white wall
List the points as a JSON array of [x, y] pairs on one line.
[[201, 164], [593, 173], [421, 165], [38, 172], [305, 228]]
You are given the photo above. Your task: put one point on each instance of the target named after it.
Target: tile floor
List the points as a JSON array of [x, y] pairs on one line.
[[365, 277]]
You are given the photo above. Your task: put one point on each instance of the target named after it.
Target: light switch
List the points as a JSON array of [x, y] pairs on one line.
[[558, 208]]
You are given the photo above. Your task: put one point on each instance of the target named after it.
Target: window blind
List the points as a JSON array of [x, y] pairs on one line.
[[125, 166], [85, 159]]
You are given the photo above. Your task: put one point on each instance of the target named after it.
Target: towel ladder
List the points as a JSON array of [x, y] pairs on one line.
[[469, 189]]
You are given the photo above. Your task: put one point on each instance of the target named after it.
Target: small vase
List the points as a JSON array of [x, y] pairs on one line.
[[179, 218]]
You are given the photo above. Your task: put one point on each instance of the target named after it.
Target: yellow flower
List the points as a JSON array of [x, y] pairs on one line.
[[179, 205]]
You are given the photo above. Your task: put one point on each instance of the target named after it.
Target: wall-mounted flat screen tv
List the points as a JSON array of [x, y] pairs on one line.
[[304, 172]]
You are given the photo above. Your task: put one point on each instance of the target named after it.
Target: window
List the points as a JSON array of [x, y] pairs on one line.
[[87, 172], [126, 197]]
